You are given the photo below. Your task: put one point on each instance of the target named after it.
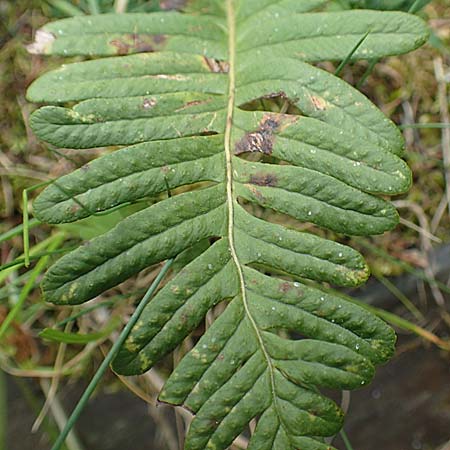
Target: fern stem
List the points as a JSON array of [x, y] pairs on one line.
[[109, 357], [231, 20]]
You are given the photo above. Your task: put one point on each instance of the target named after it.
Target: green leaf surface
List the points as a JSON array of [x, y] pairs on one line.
[[182, 111]]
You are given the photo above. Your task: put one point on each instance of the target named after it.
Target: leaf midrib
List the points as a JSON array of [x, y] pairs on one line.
[[231, 200]]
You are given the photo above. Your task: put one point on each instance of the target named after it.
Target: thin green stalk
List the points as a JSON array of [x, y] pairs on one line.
[[59, 416], [405, 266], [64, 156], [397, 321], [8, 268], [415, 7], [66, 7], [424, 125], [85, 208], [110, 356], [349, 56], [3, 410], [407, 303], [78, 338], [37, 270], [369, 70], [94, 8], [346, 440], [83, 312], [26, 221], [21, 261], [26, 227]]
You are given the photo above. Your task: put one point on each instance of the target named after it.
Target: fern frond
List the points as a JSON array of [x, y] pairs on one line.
[[182, 113]]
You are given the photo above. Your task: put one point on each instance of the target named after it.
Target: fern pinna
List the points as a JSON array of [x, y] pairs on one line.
[[183, 92]]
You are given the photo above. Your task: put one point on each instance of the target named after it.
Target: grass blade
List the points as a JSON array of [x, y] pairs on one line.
[[66, 7], [424, 125], [397, 321], [348, 445], [26, 227], [16, 231], [94, 7], [78, 338], [369, 70], [38, 269], [109, 357], [83, 312], [349, 56], [407, 303]]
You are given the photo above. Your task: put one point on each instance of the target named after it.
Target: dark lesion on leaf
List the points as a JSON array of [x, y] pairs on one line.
[[138, 43], [216, 65], [263, 139], [264, 179]]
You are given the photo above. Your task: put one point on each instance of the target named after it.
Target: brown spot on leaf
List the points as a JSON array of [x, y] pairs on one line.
[[148, 103], [263, 139], [264, 179], [318, 102], [217, 66], [184, 318], [74, 208], [122, 47], [138, 43], [193, 103], [159, 39], [256, 192], [285, 287]]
